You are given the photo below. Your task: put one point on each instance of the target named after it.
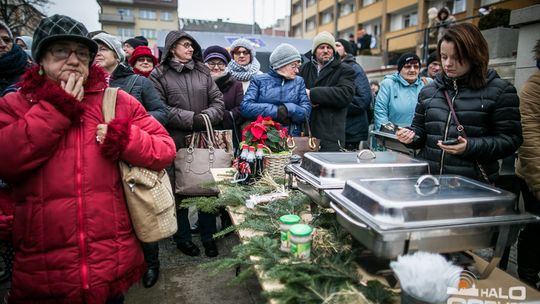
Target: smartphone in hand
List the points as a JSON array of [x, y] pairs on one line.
[[450, 142]]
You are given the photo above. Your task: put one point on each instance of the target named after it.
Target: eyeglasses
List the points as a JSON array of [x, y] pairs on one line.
[[62, 52], [244, 53], [294, 66], [145, 59], [215, 64], [411, 66], [186, 45], [6, 40]]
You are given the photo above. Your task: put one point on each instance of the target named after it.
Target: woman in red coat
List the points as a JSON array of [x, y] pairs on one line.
[[72, 233]]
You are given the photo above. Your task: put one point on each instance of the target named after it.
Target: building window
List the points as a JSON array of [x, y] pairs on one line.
[[488, 2], [327, 17], [297, 31], [374, 29], [147, 14], [149, 33], [297, 8], [410, 20], [368, 2], [125, 12], [310, 24], [346, 9], [310, 2], [459, 6], [125, 33], [166, 16]]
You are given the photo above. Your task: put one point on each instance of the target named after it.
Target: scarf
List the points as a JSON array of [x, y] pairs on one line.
[[244, 73], [139, 72], [13, 62], [224, 82]]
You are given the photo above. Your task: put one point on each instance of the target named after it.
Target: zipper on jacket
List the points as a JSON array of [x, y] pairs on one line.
[[448, 125], [80, 215]]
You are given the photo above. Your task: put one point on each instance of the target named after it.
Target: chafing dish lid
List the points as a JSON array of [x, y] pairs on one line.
[[332, 169], [445, 199]]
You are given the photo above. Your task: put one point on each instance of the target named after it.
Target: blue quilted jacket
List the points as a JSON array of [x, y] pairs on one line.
[[268, 91]]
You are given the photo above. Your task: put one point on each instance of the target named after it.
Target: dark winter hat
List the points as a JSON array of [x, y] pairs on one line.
[[432, 57], [346, 45], [60, 27], [112, 43], [142, 51], [6, 28], [134, 42], [406, 58], [143, 39], [323, 37], [216, 51], [282, 55]]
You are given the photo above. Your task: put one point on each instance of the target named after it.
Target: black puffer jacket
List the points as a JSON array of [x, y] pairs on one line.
[[143, 89], [489, 115], [331, 92]]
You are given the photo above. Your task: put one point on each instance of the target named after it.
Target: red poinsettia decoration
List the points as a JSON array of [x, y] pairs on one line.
[[267, 132]]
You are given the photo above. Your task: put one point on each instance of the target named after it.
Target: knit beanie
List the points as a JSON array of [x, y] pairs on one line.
[[323, 37], [5, 27], [242, 42], [432, 57], [60, 27], [282, 55], [143, 39], [405, 58], [27, 41], [134, 42], [346, 45], [112, 43], [216, 51], [142, 51]]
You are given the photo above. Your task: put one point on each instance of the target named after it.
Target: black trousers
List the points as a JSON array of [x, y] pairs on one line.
[[528, 249], [151, 254], [207, 226]]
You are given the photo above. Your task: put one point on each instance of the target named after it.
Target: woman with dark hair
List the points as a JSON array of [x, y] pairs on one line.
[[486, 125]]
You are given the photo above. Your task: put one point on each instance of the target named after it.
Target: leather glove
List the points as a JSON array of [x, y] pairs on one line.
[[6, 227], [282, 115], [198, 123]]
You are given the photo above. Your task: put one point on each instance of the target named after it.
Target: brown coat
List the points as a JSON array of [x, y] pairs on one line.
[[528, 165], [187, 89]]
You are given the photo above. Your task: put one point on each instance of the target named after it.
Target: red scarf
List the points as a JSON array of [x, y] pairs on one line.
[[139, 72]]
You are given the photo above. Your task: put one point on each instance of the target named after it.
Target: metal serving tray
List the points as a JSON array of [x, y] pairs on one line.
[[444, 214], [329, 170]]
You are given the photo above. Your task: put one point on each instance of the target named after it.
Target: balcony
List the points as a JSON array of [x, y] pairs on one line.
[[111, 18], [115, 1]]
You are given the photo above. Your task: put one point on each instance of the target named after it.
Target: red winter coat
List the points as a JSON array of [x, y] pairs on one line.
[[72, 234]]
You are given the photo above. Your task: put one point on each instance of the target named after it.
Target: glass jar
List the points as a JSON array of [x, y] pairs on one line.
[[301, 241], [285, 222]]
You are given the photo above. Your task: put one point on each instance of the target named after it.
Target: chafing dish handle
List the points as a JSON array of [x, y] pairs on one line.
[[422, 178], [347, 217], [366, 154]]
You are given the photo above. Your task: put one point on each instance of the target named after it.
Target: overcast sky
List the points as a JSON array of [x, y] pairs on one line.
[[266, 11]]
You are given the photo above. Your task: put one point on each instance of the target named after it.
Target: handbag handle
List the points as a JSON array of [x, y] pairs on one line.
[[311, 141], [108, 105], [209, 131]]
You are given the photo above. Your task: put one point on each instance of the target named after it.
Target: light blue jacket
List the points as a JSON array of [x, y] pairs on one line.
[[266, 92], [396, 100]]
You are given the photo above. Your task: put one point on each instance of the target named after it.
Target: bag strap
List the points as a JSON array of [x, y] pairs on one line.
[[459, 126], [131, 83], [461, 130], [209, 131], [311, 141], [108, 105], [235, 131]]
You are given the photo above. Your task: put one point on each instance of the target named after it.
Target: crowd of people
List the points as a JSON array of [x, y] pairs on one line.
[[62, 209]]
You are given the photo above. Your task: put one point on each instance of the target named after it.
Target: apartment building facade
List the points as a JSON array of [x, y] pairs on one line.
[[148, 18], [395, 25]]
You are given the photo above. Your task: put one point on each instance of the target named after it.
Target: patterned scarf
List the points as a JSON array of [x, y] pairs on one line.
[[244, 73]]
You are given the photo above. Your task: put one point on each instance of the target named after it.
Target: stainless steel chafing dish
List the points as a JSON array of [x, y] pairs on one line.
[[441, 214], [321, 171]]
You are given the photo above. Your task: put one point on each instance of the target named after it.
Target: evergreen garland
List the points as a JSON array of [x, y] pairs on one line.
[[329, 277]]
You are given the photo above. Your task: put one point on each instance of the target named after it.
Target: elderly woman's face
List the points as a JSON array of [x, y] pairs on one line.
[[216, 66], [63, 58], [144, 64], [242, 56], [289, 70], [183, 50], [6, 43]]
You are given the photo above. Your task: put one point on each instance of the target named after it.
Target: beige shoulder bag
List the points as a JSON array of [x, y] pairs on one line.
[[148, 193]]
